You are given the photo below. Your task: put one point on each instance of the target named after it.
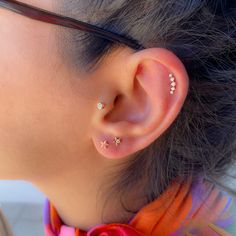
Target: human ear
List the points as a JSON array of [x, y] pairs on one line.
[[145, 104]]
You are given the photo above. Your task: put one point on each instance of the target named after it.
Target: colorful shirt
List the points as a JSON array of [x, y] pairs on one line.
[[185, 209]]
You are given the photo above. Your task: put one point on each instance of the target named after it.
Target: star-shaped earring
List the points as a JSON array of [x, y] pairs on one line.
[[104, 144], [117, 141]]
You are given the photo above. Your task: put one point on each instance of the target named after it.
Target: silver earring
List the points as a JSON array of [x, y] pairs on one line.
[[173, 83], [117, 141], [101, 106]]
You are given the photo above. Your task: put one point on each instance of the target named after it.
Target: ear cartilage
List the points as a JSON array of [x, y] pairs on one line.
[[101, 105], [104, 144], [117, 141], [173, 84]]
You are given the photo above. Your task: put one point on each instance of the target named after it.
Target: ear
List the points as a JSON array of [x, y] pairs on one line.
[[147, 99]]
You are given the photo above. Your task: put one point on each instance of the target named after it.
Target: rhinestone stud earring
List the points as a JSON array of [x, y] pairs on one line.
[[101, 105], [173, 84], [117, 141]]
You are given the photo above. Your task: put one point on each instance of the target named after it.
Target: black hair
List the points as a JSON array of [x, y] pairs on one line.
[[202, 33]]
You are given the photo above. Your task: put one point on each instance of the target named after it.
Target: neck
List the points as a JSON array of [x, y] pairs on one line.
[[79, 200]]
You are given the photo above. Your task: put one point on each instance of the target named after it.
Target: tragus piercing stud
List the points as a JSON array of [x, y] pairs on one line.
[[104, 144], [117, 141], [101, 105], [173, 84]]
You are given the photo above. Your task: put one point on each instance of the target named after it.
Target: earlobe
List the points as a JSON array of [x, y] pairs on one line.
[[160, 85]]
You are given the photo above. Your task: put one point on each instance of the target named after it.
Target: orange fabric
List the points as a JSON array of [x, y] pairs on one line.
[[184, 209], [154, 218]]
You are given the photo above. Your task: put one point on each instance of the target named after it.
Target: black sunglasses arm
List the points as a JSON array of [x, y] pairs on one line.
[[56, 19]]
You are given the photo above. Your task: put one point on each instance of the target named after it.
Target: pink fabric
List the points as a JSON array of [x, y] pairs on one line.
[[65, 230]]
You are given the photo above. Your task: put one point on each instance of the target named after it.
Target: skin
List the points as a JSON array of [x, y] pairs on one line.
[[50, 128]]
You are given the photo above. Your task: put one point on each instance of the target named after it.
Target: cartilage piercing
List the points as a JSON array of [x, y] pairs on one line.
[[101, 105], [173, 83]]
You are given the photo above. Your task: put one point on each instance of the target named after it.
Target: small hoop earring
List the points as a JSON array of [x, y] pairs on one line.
[[173, 84], [101, 106]]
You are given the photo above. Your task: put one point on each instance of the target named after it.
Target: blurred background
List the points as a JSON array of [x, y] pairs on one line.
[[22, 204]]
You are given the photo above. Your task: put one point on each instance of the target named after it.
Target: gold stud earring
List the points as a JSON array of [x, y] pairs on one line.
[[173, 84], [104, 144], [101, 105], [117, 141]]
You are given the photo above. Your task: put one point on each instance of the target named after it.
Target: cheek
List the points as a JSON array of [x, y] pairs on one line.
[[23, 56], [43, 124], [41, 119], [23, 43]]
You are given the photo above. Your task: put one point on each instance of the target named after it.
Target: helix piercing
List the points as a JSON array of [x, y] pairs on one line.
[[173, 84]]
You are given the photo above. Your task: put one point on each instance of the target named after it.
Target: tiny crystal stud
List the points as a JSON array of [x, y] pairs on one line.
[[101, 106], [117, 141], [104, 144], [173, 84]]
